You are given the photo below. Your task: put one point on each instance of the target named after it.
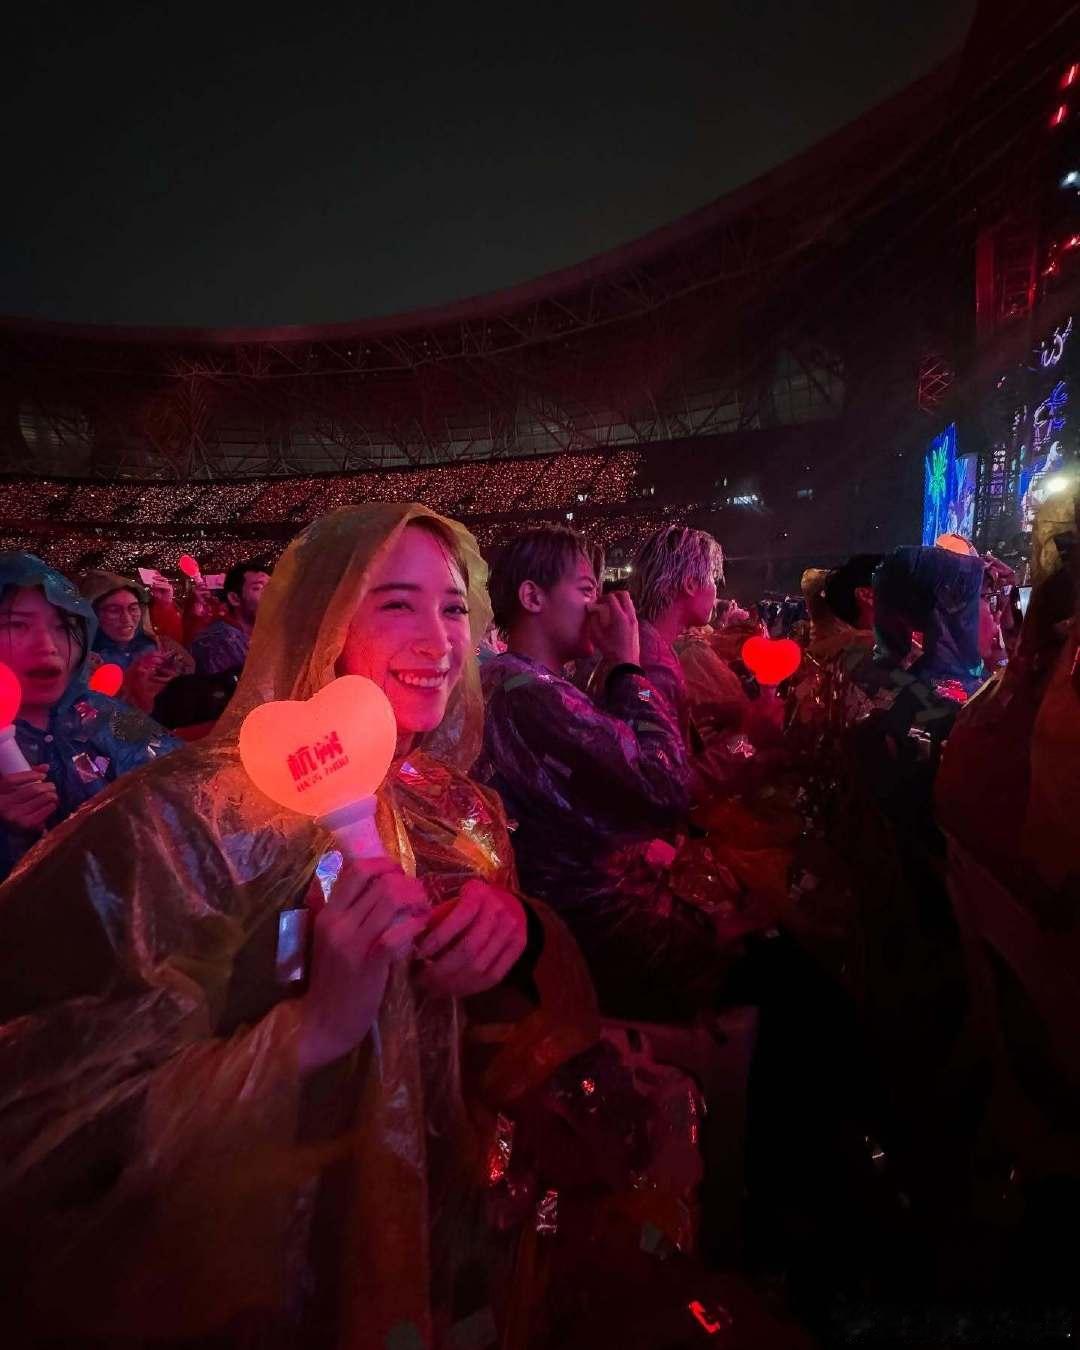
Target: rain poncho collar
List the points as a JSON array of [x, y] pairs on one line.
[[936, 593], [19, 569]]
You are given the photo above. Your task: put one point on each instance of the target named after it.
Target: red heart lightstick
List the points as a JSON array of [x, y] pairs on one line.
[[12, 759], [326, 758], [771, 661], [189, 566], [107, 679]]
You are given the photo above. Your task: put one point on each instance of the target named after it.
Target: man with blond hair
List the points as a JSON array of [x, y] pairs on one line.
[[673, 584]]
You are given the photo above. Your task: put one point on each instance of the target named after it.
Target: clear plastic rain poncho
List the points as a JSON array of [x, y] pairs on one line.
[[599, 789], [710, 703], [166, 1175]]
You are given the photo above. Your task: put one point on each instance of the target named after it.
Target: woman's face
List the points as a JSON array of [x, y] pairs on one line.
[[119, 615], [36, 641], [410, 634]]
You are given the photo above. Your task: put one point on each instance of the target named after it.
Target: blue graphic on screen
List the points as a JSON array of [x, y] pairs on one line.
[[949, 489], [1046, 455]]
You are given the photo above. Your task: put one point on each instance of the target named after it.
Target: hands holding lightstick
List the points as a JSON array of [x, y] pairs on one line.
[[378, 916], [375, 917], [325, 759]]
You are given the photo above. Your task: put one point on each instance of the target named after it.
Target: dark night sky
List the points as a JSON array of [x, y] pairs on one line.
[[178, 164]]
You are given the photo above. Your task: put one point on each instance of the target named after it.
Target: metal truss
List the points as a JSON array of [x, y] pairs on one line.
[[685, 334]]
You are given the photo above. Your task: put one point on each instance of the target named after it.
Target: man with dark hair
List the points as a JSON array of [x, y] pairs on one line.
[[546, 557], [849, 591], [598, 786], [222, 647], [828, 694]]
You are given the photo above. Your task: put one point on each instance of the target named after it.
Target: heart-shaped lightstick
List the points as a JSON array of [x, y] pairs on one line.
[[771, 661], [189, 566], [107, 679], [326, 757], [12, 759]]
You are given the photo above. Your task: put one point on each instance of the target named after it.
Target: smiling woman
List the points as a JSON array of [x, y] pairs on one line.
[[410, 633], [183, 1112]]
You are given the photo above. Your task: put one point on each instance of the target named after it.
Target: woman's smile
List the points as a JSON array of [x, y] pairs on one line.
[[422, 679]]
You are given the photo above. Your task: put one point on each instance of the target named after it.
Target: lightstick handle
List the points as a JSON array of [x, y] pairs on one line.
[[354, 829], [12, 759]]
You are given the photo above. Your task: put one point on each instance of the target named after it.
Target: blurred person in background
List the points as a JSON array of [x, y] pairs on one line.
[[849, 593], [126, 638], [202, 607], [673, 586], [76, 741], [982, 787], [222, 646], [841, 607], [674, 582], [165, 616]]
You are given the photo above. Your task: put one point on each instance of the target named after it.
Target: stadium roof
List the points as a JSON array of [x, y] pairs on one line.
[[642, 343], [742, 314]]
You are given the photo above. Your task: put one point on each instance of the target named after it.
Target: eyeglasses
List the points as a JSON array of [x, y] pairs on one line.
[[121, 611]]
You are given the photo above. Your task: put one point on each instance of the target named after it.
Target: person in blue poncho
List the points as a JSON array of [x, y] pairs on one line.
[[77, 741]]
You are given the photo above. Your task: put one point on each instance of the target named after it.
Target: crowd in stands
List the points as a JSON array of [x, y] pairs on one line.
[[669, 1012]]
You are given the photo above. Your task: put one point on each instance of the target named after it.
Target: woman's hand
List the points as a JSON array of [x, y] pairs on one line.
[[374, 916], [473, 947], [145, 678], [27, 799]]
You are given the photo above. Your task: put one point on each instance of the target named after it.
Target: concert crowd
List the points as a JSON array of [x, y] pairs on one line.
[[716, 986]]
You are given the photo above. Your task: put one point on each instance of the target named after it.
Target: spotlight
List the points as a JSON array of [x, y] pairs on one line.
[[1058, 483], [1071, 179]]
